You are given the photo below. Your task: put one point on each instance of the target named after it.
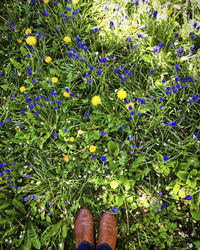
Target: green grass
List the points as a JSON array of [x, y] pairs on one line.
[[141, 172]]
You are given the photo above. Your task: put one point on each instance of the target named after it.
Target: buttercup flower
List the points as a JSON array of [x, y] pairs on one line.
[[66, 94], [71, 139], [28, 31], [67, 39], [19, 40], [121, 94], [46, 1], [48, 59], [75, 1], [92, 148], [31, 40], [66, 158], [96, 100], [114, 184], [22, 89], [54, 79]]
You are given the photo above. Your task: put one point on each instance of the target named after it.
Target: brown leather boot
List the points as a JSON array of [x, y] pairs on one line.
[[108, 230], [84, 227]]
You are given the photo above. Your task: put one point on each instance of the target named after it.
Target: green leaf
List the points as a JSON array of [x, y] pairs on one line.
[[64, 230], [176, 188], [112, 147], [19, 206], [195, 211], [192, 183], [182, 175], [27, 241], [34, 236], [119, 201]]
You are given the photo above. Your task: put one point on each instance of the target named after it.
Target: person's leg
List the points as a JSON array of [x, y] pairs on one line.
[[84, 230], [108, 231], [85, 245], [104, 246]]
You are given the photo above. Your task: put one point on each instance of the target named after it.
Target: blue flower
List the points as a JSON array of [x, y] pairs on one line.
[[91, 67], [155, 203], [103, 133], [152, 71], [55, 3], [173, 124], [103, 158], [176, 35], [68, 8], [87, 115], [87, 74], [163, 206], [121, 127], [143, 101], [82, 59], [115, 209], [99, 72], [166, 158], [11, 186], [65, 130], [155, 14], [159, 193]]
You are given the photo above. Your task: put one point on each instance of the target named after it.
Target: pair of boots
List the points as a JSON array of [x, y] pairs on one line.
[[84, 229]]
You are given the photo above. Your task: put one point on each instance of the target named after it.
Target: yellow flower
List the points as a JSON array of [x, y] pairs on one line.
[[133, 27], [67, 39], [19, 40], [0, 179], [22, 89], [121, 94], [66, 158], [54, 79], [96, 100], [66, 94], [114, 184], [28, 31], [130, 104], [92, 148], [71, 139], [46, 1], [31, 40], [168, 12], [48, 59], [75, 1]]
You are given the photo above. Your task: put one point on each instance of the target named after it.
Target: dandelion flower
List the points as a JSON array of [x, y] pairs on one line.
[[31, 40], [28, 31], [19, 40], [66, 94], [48, 59], [129, 105], [54, 79], [121, 94], [71, 139], [66, 158], [114, 184], [133, 27], [92, 149], [67, 39], [96, 100], [46, 1], [22, 89]]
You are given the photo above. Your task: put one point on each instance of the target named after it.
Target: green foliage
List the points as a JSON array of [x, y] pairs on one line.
[[41, 191]]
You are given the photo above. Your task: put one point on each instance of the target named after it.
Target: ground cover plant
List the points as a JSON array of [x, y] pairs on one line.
[[100, 108]]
